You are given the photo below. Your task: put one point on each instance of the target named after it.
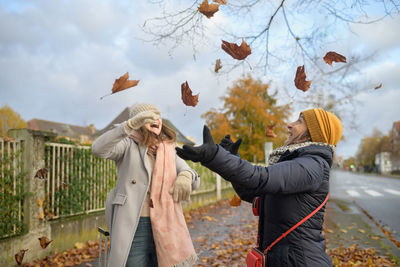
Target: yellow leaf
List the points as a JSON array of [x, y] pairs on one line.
[[79, 245], [361, 231]]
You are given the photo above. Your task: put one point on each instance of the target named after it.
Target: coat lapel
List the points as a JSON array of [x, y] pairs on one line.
[[145, 160]]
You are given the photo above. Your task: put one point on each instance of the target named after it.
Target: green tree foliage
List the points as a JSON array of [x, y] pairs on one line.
[[248, 108], [9, 119]]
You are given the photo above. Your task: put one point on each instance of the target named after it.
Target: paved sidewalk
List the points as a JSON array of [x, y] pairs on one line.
[[223, 234]]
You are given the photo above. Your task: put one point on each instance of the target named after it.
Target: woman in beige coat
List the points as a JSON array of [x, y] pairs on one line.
[[143, 212]]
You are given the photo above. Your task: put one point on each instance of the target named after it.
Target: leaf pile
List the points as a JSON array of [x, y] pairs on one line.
[[354, 256], [83, 252]]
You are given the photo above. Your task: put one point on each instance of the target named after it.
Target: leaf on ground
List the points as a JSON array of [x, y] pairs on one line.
[[361, 231], [237, 52], [300, 79], [218, 65], [334, 57], [79, 245], [209, 218], [208, 9], [187, 97]]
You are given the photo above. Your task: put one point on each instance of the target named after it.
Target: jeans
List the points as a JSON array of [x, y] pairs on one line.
[[143, 249]]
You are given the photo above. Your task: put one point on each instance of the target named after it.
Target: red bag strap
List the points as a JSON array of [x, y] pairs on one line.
[[295, 226]]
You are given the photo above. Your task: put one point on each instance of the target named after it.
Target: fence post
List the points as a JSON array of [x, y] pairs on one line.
[[33, 159], [218, 180]]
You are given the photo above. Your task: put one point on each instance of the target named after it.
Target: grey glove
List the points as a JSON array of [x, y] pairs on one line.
[[204, 153], [229, 145], [139, 120], [182, 187]]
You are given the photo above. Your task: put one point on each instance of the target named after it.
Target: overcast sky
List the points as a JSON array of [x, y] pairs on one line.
[[57, 58]]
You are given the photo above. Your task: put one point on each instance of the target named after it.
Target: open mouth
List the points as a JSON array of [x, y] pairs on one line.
[[155, 125]]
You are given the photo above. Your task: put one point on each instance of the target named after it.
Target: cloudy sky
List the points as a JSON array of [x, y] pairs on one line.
[[57, 58]]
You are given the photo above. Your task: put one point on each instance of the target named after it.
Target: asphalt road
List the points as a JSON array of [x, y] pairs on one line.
[[379, 196]]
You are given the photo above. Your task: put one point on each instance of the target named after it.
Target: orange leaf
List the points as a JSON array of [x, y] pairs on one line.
[[187, 97], [123, 83], [20, 256], [237, 52], [44, 241], [377, 87], [300, 79], [41, 173], [221, 2], [333, 56], [269, 131], [208, 9], [218, 65], [235, 201]]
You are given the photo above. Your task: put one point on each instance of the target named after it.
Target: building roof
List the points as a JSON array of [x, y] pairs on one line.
[[124, 115], [63, 129], [396, 126]]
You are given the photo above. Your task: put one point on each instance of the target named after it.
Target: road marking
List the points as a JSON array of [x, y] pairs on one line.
[[353, 193], [373, 193], [391, 191]]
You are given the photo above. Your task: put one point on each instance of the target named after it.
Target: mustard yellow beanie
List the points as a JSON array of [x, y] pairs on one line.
[[323, 126]]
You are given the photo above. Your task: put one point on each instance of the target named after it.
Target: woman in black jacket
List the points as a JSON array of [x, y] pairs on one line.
[[294, 184]]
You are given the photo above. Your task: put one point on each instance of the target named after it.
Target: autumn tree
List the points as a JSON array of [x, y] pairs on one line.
[[248, 108], [370, 146], [9, 119]]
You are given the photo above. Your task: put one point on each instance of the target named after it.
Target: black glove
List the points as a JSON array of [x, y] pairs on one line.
[[229, 145], [204, 153]]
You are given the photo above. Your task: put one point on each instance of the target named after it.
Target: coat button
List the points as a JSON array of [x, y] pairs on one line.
[[133, 181]]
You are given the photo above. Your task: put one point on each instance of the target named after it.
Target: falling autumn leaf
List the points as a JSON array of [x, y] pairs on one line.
[[333, 56], [187, 97], [208, 9], [20, 256], [237, 52], [122, 83], [269, 131], [221, 2], [218, 65], [300, 79], [44, 241], [41, 174], [235, 201], [377, 87]]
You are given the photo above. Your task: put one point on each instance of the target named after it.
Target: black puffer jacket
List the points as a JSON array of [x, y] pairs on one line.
[[290, 190]]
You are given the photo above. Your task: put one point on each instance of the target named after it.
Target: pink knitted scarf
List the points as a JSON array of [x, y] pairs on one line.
[[174, 245]]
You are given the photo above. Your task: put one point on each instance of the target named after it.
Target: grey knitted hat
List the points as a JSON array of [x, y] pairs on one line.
[[141, 114]]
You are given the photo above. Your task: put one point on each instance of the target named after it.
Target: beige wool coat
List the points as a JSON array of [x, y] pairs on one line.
[[124, 202]]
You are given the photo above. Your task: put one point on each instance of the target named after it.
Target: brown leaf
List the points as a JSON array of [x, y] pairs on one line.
[[377, 87], [208, 9], [237, 52], [235, 201], [218, 65], [187, 97], [269, 131], [221, 2], [41, 174], [123, 83], [333, 56], [300, 79], [44, 241], [20, 256], [41, 215]]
